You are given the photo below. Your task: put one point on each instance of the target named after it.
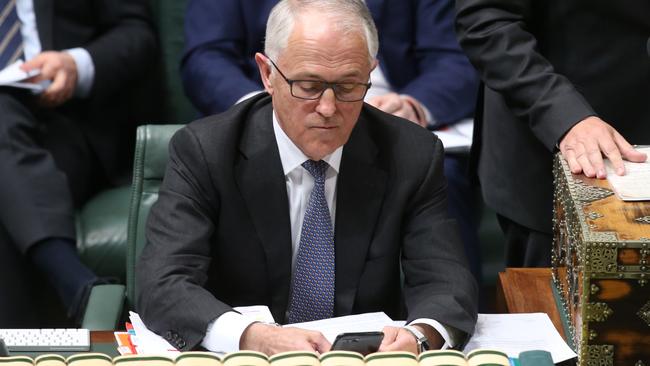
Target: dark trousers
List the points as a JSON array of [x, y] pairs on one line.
[[47, 168], [525, 247]]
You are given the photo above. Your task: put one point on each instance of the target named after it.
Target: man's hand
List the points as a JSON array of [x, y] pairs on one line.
[[61, 69], [272, 339], [400, 106], [585, 144], [400, 339]]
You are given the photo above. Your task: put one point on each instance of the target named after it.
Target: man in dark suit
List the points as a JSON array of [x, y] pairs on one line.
[[307, 201], [58, 147], [422, 76], [571, 74]]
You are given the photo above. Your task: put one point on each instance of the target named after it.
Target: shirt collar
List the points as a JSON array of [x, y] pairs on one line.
[[292, 157]]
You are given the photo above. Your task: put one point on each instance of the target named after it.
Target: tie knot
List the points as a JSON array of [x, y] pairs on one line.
[[316, 168]]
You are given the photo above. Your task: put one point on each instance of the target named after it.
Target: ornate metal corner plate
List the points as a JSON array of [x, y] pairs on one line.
[[600, 355]]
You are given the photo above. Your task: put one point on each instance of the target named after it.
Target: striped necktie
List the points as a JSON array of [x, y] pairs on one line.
[[11, 41], [312, 288]]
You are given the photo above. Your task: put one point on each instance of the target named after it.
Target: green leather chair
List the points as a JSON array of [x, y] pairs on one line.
[[106, 302]]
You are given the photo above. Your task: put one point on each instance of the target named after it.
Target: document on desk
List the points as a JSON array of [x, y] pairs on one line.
[[515, 333], [635, 184], [147, 342], [368, 322]]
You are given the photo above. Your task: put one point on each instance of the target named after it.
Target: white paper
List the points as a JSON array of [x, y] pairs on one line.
[[14, 76], [368, 322], [635, 184], [147, 342], [515, 333], [457, 137]]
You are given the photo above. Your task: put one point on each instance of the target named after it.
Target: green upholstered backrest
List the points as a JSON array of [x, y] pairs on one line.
[[151, 154]]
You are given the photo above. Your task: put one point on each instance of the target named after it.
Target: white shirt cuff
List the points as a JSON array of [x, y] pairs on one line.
[[449, 334], [85, 71], [224, 333]]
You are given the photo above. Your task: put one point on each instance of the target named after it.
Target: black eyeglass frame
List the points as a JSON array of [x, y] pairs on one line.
[[327, 85]]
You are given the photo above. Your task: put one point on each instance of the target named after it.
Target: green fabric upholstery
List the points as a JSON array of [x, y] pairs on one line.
[[151, 154]]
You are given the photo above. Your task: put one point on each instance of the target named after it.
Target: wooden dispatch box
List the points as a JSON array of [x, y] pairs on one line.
[[600, 257]]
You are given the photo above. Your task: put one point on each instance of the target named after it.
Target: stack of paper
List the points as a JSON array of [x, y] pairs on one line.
[[14, 76]]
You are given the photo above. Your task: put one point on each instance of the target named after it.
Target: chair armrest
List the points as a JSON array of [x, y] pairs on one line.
[[104, 308]]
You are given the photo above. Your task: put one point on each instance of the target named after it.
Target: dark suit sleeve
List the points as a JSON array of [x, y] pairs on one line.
[[212, 68], [172, 269], [446, 83], [496, 36], [124, 46], [438, 284]]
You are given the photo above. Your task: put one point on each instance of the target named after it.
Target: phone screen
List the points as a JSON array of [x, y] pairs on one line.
[[362, 342]]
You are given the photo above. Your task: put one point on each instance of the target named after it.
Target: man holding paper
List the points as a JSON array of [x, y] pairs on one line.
[[60, 146], [307, 201]]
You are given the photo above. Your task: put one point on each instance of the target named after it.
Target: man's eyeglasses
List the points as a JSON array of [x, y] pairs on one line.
[[314, 89]]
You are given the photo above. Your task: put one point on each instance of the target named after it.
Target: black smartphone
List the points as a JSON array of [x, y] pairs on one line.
[[362, 342]]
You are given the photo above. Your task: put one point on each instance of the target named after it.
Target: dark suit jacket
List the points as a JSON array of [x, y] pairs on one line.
[[418, 52], [219, 234], [546, 65], [119, 37]]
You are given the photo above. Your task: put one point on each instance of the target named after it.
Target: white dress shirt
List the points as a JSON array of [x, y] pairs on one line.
[[32, 47], [224, 333]]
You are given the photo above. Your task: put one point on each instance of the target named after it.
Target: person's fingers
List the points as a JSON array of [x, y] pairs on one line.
[[34, 63], [628, 151], [582, 159], [390, 334], [55, 94], [611, 151], [406, 112], [404, 341], [569, 154], [391, 103], [320, 343], [596, 166], [376, 101]]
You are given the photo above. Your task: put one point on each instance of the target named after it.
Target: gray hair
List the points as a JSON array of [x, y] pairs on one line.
[[348, 15]]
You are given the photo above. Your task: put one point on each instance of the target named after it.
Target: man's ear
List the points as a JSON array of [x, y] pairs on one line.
[[265, 71]]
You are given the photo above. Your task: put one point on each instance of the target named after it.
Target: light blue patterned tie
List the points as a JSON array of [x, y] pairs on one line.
[[11, 41], [312, 291]]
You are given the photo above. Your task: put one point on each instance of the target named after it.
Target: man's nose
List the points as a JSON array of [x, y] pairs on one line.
[[327, 103]]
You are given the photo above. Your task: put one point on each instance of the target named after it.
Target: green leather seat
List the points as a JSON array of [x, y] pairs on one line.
[[106, 302]]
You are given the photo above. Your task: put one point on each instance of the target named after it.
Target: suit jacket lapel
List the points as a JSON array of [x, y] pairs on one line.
[[360, 191], [260, 178], [44, 13]]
